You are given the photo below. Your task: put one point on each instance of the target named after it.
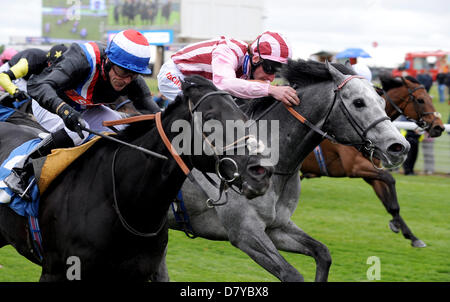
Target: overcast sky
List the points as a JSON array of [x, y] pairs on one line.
[[398, 26], [20, 18]]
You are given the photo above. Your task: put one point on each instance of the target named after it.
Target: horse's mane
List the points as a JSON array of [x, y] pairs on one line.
[[196, 81], [251, 107], [388, 82], [137, 129], [300, 73], [304, 73]]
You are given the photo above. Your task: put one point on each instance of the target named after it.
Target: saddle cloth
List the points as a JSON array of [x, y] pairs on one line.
[[20, 206], [46, 170]]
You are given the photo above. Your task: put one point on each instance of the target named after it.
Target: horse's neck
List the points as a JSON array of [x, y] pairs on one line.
[[296, 140], [397, 99], [163, 178]]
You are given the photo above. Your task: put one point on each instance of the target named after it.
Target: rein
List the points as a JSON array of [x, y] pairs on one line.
[[224, 182], [366, 143], [358, 128], [119, 214]]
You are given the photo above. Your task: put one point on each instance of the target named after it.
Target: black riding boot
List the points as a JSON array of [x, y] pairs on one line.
[[18, 180]]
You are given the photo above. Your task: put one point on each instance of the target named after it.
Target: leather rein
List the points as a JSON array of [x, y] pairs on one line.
[[365, 142], [225, 183]]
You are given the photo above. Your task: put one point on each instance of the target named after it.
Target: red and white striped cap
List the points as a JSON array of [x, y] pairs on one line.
[[272, 46]]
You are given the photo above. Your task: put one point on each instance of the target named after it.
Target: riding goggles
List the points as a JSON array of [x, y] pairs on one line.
[[124, 73], [269, 67]]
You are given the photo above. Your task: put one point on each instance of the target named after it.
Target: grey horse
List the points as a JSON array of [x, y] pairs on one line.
[[345, 107]]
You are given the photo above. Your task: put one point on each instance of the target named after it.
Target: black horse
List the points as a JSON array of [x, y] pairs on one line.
[[108, 208]]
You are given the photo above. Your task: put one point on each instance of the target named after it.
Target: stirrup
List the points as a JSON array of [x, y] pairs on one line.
[[15, 181]]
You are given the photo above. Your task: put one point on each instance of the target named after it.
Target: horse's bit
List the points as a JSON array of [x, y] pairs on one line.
[[225, 183], [246, 141]]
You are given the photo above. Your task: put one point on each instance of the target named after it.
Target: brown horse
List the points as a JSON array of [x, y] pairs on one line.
[[404, 96]]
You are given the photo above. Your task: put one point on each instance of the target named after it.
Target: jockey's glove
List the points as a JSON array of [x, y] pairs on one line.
[[72, 119], [20, 95]]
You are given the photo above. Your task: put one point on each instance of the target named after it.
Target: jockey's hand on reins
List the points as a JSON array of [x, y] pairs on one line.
[[285, 94], [72, 119]]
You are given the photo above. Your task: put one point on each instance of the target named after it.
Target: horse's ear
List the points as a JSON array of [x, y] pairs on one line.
[[186, 85], [336, 74], [348, 65], [388, 82]]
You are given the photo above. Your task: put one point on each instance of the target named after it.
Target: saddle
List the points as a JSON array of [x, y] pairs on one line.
[[48, 168]]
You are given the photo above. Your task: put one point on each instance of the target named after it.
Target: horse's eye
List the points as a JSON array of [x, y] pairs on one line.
[[208, 116], [420, 101], [358, 103]]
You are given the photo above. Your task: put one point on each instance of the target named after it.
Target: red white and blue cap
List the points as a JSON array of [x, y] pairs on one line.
[[130, 49], [272, 46]]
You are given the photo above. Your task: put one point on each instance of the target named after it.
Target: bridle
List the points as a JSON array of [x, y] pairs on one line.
[[365, 145], [225, 183], [360, 130], [412, 99], [245, 141]]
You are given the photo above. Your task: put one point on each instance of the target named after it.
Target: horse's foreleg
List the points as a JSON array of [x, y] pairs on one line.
[[162, 274], [2, 241], [291, 238], [384, 187], [255, 243]]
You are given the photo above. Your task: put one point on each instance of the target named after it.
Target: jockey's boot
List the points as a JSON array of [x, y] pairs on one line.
[[18, 180]]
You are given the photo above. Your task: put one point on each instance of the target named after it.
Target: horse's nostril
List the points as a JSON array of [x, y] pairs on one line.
[[396, 148], [258, 170], [436, 131]]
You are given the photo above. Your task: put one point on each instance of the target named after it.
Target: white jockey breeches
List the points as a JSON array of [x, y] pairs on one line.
[[93, 116]]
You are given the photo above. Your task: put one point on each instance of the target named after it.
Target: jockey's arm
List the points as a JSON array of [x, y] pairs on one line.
[[65, 75], [140, 95], [224, 65], [43, 90], [24, 64], [17, 71]]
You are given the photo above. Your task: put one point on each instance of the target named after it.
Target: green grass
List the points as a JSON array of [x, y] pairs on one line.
[[152, 84], [342, 213]]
